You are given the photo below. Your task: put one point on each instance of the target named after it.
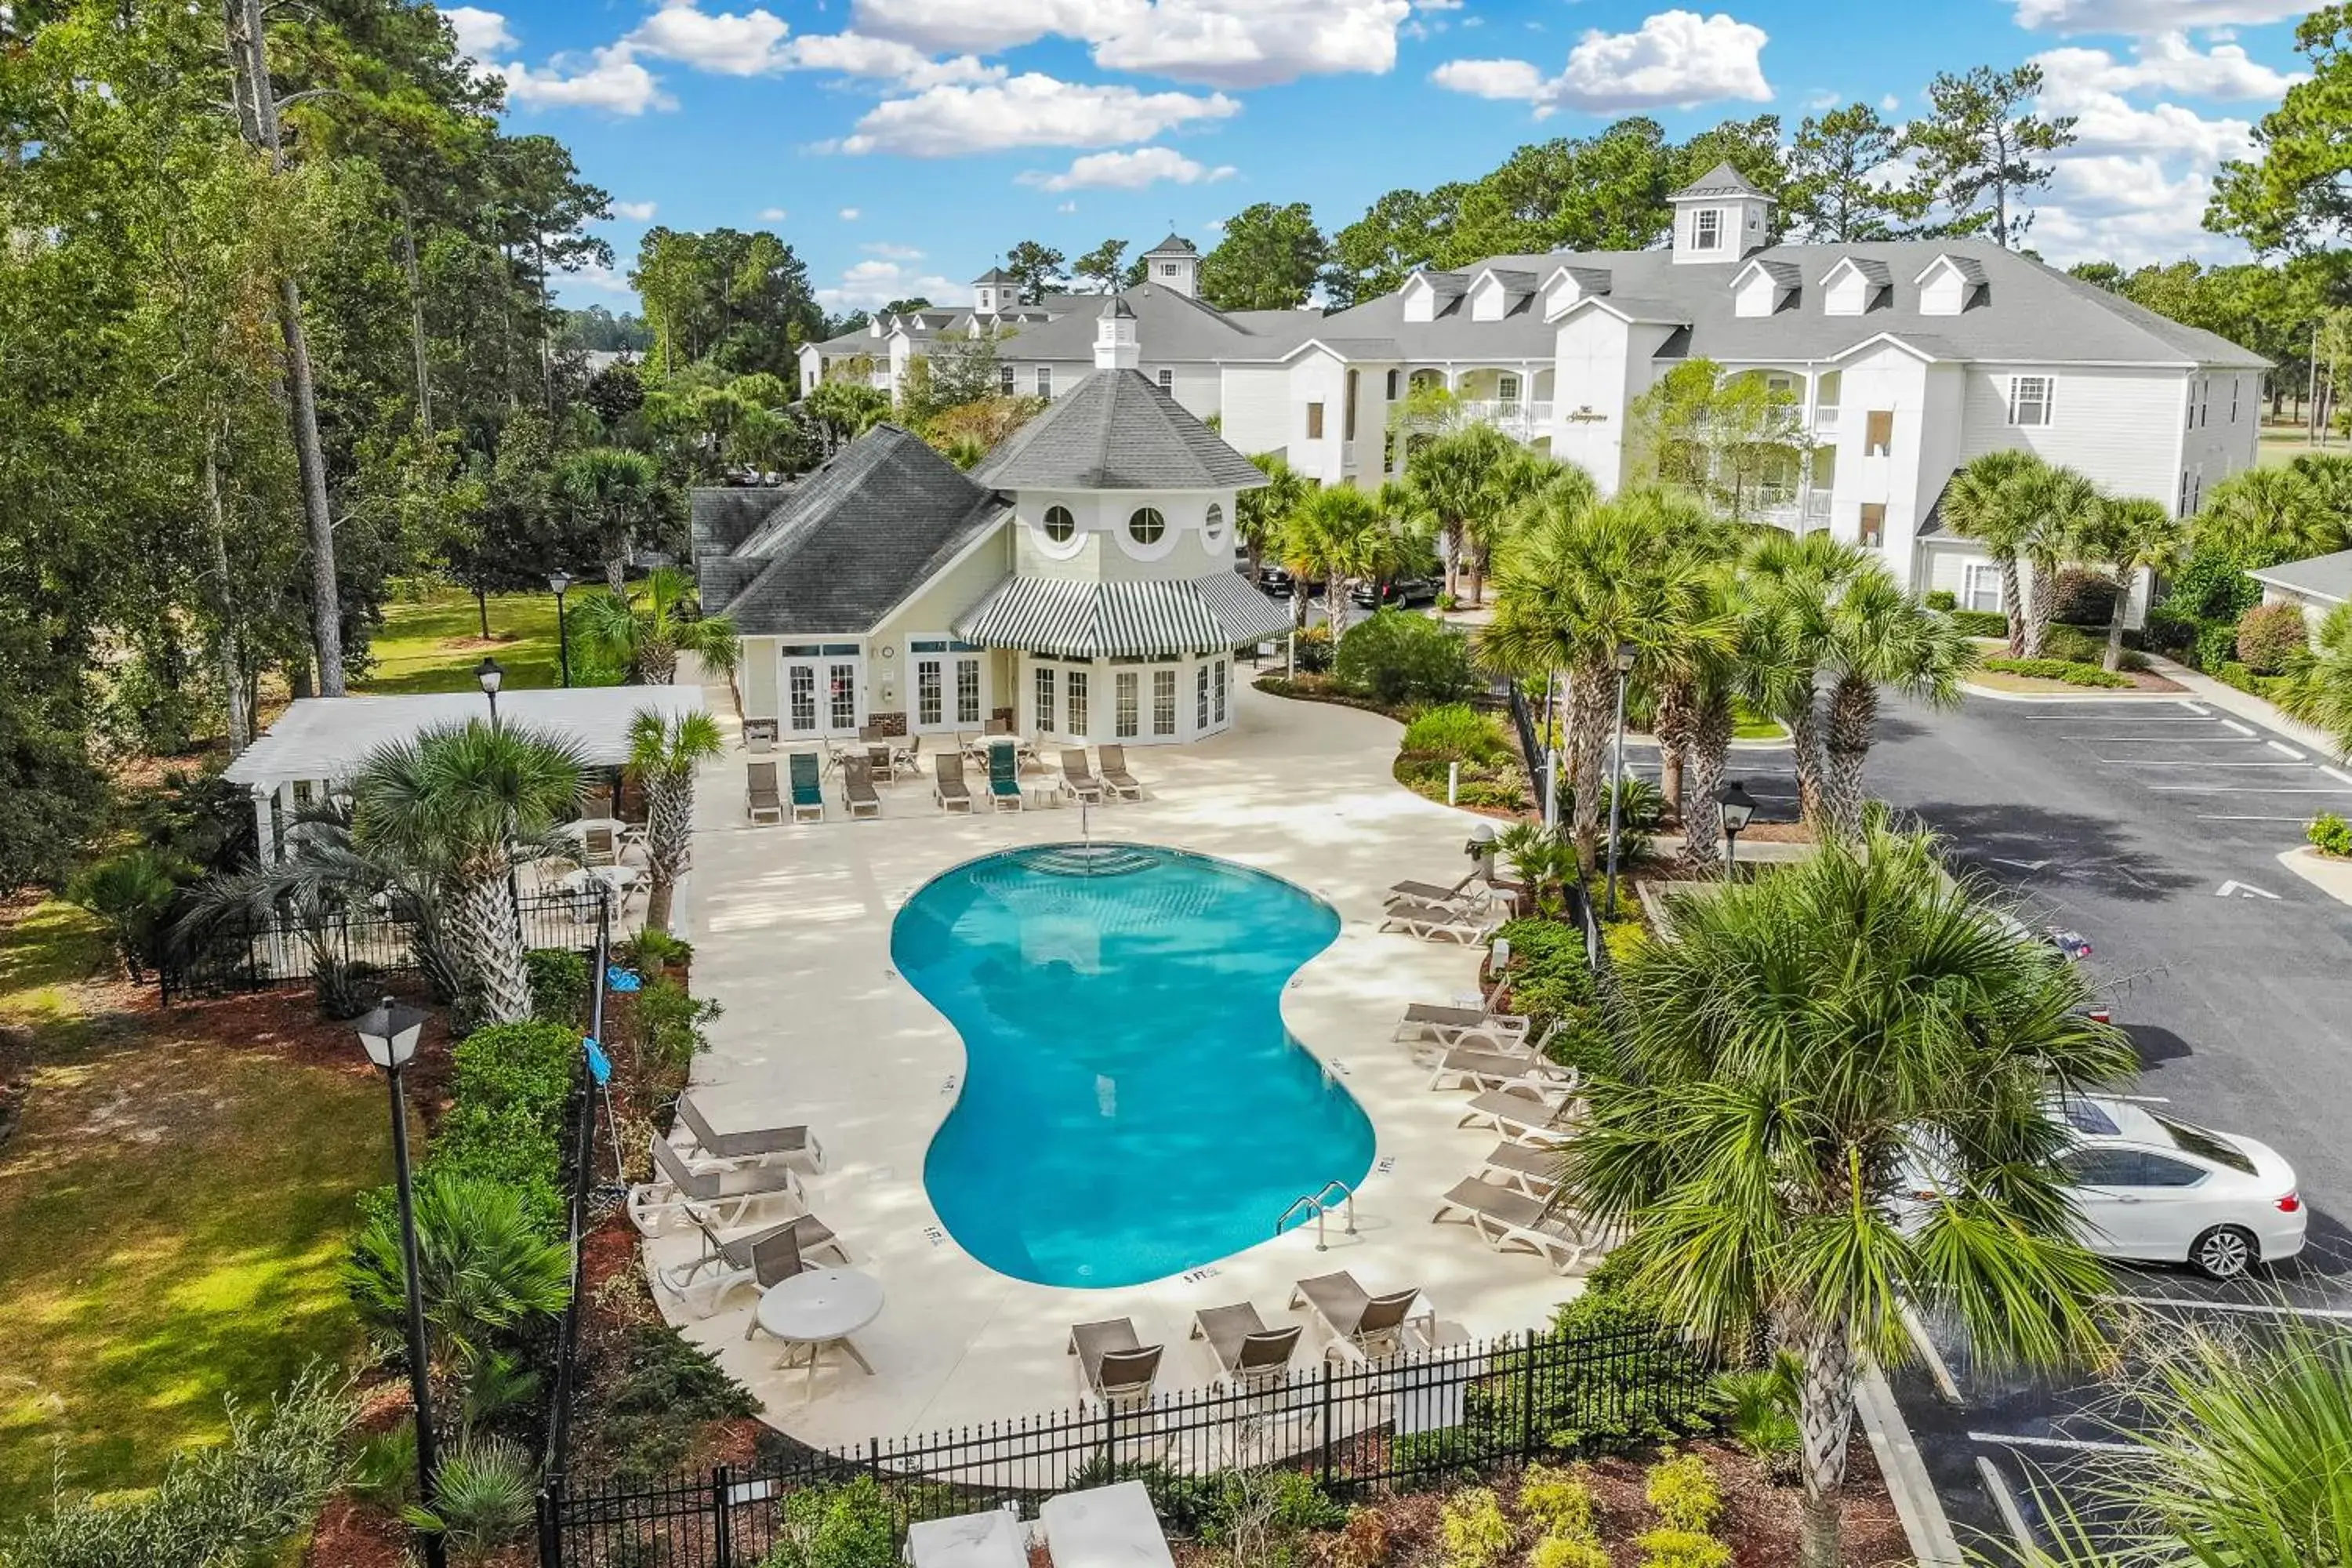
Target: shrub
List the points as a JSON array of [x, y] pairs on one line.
[[2076, 646], [2269, 636], [1556, 1501], [1492, 795], [1477, 1534], [1980, 623], [559, 984], [524, 1065], [1683, 1548], [664, 1390], [1566, 1551], [2083, 598], [1311, 650], [651, 950], [484, 1496], [1683, 1491], [1399, 657], [837, 1527], [1457, 733], [484, 1266], [1760, 1415], [2059, 669], [1943, 599], [129, 893], [1641, 1396], [666, 1025], [2215, 645], [2167, 633], [2330, 833], [510, 1147], [1363, 1543]]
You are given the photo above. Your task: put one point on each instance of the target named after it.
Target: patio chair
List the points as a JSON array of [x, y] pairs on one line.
[[1105, 1526], [1465, 1067], [857, 788], [907, 759], [1359, 1321], [1451, 1026], [991, 1539], [761, 800], [1435, 922], [1525, 1112], [947, 787], [1507, 1220], [1529, 1167], [1468, 893], [725, 1192], [1249, 1356], [1115, 775], [1005, 778], [599, 847], [1113, 1365], [1078, 780], [751, 1144], [997, 727], [808, 800], [758, 734], [729, 1264], [877, 762]]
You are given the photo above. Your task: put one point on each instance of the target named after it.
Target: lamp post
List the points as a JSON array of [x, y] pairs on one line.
[[492, 674], [389, 1036], [1735, 808], [558, 582], [1624, 661]]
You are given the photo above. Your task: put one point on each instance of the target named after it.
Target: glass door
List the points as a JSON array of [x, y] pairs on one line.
[[800, 707], [949, 691], [823, 690]]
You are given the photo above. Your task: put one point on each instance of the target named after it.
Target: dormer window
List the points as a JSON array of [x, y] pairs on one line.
[[1706, 229]]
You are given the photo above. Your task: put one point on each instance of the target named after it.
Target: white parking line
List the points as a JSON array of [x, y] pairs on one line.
[[2283, 746], [2135, 762], [2233, 725], [2345, 788], [2168, 739], [2336, 773], [2079, 1444], [2244, 1308], [2219, 817]]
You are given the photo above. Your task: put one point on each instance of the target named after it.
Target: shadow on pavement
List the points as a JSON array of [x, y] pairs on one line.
[[2064, 848], [2157, 1045]]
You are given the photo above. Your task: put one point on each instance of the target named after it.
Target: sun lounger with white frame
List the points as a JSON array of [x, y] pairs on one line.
[[1439, 923], [1116, 777], [1541, 1113], [991, 1539], [1460, 1025], [857, 788], [754, 1144], [1507, 1219], [1531, 1168], [808, 799], [1113, 1365], [1249, 1356], [1358, 1322], [1467, 893], [1105, 1526], [761, 799], [1466, 1067], [725, 1264], [721, 1192], [947, 787], [1080, 779]]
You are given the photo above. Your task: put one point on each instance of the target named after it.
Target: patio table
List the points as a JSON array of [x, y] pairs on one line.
[[817, 1308]]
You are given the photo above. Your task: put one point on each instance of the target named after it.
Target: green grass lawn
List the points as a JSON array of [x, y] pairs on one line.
[[2280, 447], [173, 1211], [434, 644]]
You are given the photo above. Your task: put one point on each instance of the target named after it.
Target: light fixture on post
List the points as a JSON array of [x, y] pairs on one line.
[[389, 1037], [1481, 850], [1625, 666], [558, 582], [491, 674], [1735, 808]]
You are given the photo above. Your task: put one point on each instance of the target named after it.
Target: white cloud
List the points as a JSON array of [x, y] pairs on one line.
[[849, 215], [892, 252], [726, 44], [2090, 84], [1067, 208], [1220, 43], [1824, 98], [869, 285], [2152, 15], [2131, 210], [635, 212], [2168, 63], [1674, 59], [1030, 111], [773, 215], [480, 34], [853, 54], [603, 279], [1890, 103], [610, 78], [1128, 171]]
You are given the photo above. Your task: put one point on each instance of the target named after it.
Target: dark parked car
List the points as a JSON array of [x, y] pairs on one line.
[[1277, 581], [1398, 593]]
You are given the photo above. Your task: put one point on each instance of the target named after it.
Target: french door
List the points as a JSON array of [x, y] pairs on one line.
[[949, 693], [824, 691]]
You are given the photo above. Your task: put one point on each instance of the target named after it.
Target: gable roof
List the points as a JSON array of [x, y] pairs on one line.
[[1786, 274], [846, 543], [2322, 577], [1169, 325], [1115, 431], [1869, 268], [1174, 245], [1723, 180]]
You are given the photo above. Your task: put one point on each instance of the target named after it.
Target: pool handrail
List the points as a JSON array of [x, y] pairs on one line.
[[1314, 1203]]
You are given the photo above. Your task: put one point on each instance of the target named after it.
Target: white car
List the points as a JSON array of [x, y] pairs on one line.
[[2153, 1188]]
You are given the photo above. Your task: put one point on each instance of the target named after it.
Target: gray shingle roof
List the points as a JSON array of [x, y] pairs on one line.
[[1590, 280], [2327, 578], [996, 275], [1786, 274], [1872, 269], [1169, 326], [1115, 431], [1174, 245], [1723, 180], [846, 543]]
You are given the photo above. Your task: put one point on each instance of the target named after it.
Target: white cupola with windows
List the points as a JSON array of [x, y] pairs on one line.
[[1174, 265], [1116, 346], [1721, 217], [995, 293]]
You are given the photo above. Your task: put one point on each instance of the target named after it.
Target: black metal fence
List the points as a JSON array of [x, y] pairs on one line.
[[242, 954], [581, 1178], [1402, 1423]]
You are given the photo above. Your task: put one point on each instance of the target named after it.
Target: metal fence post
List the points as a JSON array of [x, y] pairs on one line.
[[1327, 1425], [550, 1524], [1527, 1398], [723, 1524]]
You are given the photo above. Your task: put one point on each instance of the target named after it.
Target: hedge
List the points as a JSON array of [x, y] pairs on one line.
[[2060, 669], [510, 1097], [1980, 623]]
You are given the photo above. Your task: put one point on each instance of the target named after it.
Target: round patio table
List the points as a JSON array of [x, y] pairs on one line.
[[818, 1307]]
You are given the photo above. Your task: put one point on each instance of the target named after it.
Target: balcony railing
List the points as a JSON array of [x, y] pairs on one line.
[[1825, 419], [1809, 514], [1513, 416]]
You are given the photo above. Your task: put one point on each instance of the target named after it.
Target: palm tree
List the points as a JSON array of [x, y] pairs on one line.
[[1796, 1057], [1338, 532], [1528, 481], [664, 753], [616, 489], [1983, 503], [1879, 636], [1792, 582], [2317, 685], [1451, 479], [647, 631], [2062, 508], [1578, 582], [2265, 516], [2131, 537], [1260, 515]]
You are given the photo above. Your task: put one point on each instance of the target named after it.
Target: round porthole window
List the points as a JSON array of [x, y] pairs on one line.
[[1060, 523], [1214, 523], [1146, 526]]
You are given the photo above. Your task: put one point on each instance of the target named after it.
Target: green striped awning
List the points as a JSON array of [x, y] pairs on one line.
[[1111, 620]]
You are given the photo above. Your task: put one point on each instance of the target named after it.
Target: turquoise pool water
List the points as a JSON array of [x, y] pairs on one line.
[[1131, 1104]]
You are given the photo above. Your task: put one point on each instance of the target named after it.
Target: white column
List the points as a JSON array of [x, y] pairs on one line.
[[265, 851]]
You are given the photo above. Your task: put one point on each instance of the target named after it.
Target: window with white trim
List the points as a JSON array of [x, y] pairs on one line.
[[1163, 703], [1045, 715], [1220, 686], [1075, 690], [1706, 229], [1126, 719], [1045, 381], [1201, 697], [1167, 379], [1060, 524], [1145, 525], [1507, 388], [1980, 586], [1213, 523], [2030, 399], [1004, 374]]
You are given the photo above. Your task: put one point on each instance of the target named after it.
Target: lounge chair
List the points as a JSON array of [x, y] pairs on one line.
[[761, 800], [1116, 777], [907, 759], [720, 1193], [991, 1539], [1460, 1026], [1357, 1321], [1528, 1167], [1113, 1365], [1078, 779], [1465, 1066], [1105, 1526], [1249, 1355], [728, 1264], [752, 1144], [1005, 778], [1433, 922], [1469, 893], [1507, 1219], [947, 787], [857, 788], [1525, 1112], [808, 800]]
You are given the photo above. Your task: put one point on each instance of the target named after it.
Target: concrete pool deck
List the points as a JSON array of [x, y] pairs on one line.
[[792, 933]]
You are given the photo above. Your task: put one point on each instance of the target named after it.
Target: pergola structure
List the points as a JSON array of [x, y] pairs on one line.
[[320, 741]]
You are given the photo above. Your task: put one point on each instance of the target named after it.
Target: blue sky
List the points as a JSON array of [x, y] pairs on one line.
[[900, 145]]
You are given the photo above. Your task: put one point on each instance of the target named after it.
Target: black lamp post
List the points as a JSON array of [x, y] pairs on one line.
[[558, 582], [492, 674], [1734, 809], [1624, 661], [389, 1036]]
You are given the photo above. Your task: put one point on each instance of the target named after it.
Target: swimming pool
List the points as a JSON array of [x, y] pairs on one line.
[[1131, 1105]]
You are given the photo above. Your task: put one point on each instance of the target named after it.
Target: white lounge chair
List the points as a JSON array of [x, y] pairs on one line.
[[750, 1145], [1105, 1526], [1251, 1357], [991, 1539], [720, 1191], [1460, 1025], [1468, 1068], [1529, 1113], [1528, 1167], [1470, 893], [1507, 1219], [723, 1265], [1439, 923], [1358, 1322]]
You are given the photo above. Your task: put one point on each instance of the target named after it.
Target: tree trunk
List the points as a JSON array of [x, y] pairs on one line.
[[1825, 1424], [416, 322], [491, 937], [2114, 659], [1675, 715], [1852, 719], [2042, 607], [1453, 537], [2012, 602], [1709, 750], [616, 565], [1335, 599], [1805, 750], [1590, 692], [669, 841], [657, 660], [231, 655], [482, 609]]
